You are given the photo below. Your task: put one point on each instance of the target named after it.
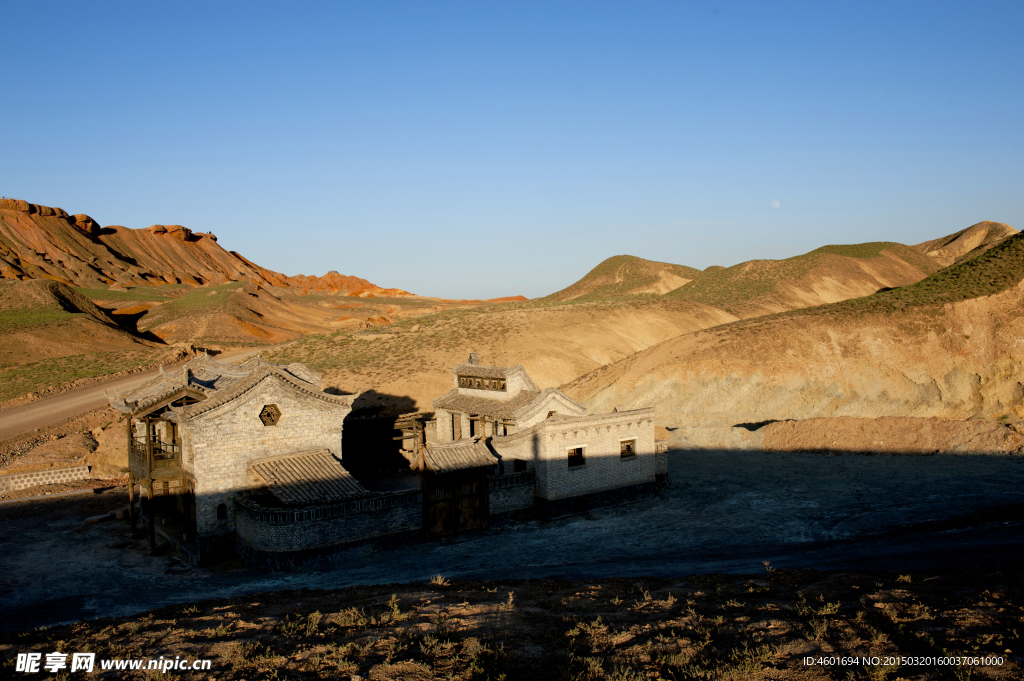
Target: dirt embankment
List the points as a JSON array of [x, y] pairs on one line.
[[893, 435]]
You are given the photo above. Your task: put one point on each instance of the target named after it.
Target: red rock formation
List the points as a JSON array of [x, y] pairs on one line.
[[39, 242]]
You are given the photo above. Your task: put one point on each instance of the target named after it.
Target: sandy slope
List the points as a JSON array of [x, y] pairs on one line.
[[954, 360], [555, 344], [826, 275], [966, 243]]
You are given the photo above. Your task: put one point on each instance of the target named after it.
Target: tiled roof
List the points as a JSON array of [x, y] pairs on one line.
[[454, 401], [457, 456], [480, 371], [307, 477], [252, 380], [206, 376]]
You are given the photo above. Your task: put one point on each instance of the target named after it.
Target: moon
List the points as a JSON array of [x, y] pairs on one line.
[[775, 203]]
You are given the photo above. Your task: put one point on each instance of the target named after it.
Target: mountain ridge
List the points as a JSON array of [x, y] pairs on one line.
[[42, 242]]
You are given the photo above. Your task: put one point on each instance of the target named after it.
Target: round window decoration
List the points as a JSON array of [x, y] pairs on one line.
[[270, 415]]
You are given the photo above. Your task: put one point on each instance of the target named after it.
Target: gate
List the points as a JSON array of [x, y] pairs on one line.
[[455, 503]]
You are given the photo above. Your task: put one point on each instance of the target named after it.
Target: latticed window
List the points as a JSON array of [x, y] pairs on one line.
[[270, 415]]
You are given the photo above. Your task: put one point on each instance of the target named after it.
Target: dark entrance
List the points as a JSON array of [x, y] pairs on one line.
[[455, 502]]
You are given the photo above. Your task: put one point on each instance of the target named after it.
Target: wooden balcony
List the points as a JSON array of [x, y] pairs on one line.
[[163, 462]]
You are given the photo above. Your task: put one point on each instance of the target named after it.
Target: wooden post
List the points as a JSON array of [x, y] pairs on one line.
[[149, 452], [152, 513], [131, 475], [131, 497]]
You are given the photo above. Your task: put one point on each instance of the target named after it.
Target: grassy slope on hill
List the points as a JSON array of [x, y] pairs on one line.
[[738, 288], [623, 275], [988, 273], [904, 351], [51, 335]]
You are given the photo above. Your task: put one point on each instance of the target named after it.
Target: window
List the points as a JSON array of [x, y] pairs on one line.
[[270, 415], [627, 449], [222, 511], [576, 457], [482, 383]]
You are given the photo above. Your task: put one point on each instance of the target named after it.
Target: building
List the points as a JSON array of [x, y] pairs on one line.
[[249, 459], [199, 436], [572, 454]]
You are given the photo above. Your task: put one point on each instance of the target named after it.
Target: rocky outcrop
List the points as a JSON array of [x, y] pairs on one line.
[[39, 242], [343, 284]]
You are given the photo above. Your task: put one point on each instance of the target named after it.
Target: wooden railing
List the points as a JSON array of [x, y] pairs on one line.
[[165, 455]]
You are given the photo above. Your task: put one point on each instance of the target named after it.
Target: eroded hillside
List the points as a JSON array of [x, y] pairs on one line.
[[408, 363], [825, 275], [948, 346], [39, 242], [966, 243]]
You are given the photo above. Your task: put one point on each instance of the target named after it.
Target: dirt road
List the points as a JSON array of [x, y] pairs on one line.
[[44, 412], [723, 512]]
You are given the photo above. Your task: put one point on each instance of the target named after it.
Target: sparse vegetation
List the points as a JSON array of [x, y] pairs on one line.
[[582, 630], [734, 289], [21, 379]]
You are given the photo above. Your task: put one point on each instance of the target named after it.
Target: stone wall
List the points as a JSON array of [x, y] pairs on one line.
[[512, 492], [223, 442], [444, 425], [546, 447], [661, 463], [281, 530], [16, 481]]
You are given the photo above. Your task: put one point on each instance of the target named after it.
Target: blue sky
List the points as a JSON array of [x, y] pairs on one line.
[[485, 149]]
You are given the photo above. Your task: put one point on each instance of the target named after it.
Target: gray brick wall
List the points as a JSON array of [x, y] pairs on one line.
[[275, 530], [222, 443], [512, 492], [545, 448]]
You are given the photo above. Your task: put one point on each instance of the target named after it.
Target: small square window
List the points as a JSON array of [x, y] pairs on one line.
[[627, 448], [576, 457]]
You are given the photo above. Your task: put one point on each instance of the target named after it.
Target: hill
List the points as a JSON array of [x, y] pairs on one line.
[[51, 334], [408, 362], [966, 243], [623, 275], [39, 242], [824, 275], [947, 346]]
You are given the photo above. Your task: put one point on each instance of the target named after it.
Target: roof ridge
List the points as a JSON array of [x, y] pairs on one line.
[[251, 381]]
